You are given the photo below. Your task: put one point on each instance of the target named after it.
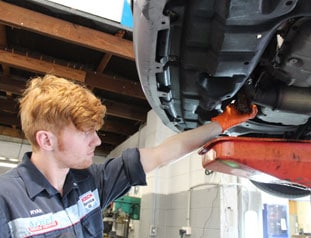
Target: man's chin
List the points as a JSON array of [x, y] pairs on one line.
[[87, 163], [90, 155]]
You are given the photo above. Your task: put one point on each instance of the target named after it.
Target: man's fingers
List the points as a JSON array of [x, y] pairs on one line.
[[254, 111]]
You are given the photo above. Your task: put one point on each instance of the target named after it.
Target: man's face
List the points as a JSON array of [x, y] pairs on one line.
[[76, 148]]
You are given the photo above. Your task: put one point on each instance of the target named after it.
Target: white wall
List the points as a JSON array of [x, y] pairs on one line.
[[187, 174], [12, 149]]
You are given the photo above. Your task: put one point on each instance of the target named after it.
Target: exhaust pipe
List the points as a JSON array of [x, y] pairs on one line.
[[290, 99]]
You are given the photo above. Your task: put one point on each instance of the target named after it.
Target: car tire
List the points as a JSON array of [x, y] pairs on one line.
[[288, 190]]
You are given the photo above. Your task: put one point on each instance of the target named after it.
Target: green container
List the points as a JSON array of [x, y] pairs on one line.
[[129, 205]]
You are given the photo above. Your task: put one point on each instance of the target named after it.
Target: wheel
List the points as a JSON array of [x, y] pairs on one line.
[[284, 190]]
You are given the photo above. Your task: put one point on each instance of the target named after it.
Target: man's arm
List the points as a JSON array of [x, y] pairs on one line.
[[4, 226], [183, 143]]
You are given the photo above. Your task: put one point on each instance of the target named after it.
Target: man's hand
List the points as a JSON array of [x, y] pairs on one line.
[[232, 117]]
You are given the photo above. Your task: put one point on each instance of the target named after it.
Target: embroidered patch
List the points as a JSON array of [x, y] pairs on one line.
[[89, 200], [45, 223]]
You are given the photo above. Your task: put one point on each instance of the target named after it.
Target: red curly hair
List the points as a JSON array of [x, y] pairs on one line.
[[51, 103]]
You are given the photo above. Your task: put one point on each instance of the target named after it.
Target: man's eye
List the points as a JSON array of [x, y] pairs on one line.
[[86, 133], [90, 132]]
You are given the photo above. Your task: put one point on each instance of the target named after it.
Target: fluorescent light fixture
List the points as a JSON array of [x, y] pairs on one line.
[[13, 160], [8, 162], [8, 165]]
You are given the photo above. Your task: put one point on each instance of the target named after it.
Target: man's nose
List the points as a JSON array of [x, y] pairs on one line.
[[96, 140]]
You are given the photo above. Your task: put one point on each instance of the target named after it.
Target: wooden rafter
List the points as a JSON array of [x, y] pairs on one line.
[[3, 44], [106, 58], [102, 81], [40, 66], [114, 84], [131, 112], [56, 28]]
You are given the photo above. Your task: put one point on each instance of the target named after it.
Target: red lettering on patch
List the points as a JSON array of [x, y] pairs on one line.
[[87, 197], [43, 227]]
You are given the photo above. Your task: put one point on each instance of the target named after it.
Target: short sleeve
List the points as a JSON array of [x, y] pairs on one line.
[[116, 176]]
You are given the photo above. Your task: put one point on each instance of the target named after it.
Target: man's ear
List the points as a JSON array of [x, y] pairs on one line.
[[46, 140]]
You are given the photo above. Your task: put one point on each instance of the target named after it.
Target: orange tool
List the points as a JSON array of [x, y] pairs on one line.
[[264, 158]]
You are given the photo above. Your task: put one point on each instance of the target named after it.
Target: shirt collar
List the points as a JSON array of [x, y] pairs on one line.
[[34, 180]]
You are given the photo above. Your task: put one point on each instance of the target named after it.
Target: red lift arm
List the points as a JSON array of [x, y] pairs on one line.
[[288, 160]]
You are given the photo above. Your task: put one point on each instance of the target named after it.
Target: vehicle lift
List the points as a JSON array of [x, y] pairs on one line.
[[265, 158]]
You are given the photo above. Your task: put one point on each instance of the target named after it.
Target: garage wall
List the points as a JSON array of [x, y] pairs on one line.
[[12, 149], [182, 195]]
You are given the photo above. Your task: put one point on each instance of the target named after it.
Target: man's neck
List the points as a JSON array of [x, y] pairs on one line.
[[48, 166]]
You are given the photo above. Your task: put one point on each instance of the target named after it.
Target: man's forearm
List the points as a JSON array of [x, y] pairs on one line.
[[178, 146], [183, 143]]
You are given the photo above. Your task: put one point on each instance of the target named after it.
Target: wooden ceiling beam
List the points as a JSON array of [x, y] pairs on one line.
[[23, 18], [106, 58], [40, 66], [117, 127], [11, 85], [9, 119], [103, 149], [3, 44], [110, 126], [8, 105], [3, 40], [125, 111], [103, 63], [101, 81], [112, 139], [12, 132], [108, 133], [114, 109], [115, 84]]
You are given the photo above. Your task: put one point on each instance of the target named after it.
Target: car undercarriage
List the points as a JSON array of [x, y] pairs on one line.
[[196, 57]]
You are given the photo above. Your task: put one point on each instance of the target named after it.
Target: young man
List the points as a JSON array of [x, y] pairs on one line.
[[56, 191]]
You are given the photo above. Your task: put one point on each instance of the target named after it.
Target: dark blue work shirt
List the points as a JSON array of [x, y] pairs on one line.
[[31, 207]]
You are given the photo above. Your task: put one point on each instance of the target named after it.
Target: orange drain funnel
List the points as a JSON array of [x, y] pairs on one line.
[[266, 158]]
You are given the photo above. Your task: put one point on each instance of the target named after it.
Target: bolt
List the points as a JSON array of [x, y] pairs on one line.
[[294, 61]]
